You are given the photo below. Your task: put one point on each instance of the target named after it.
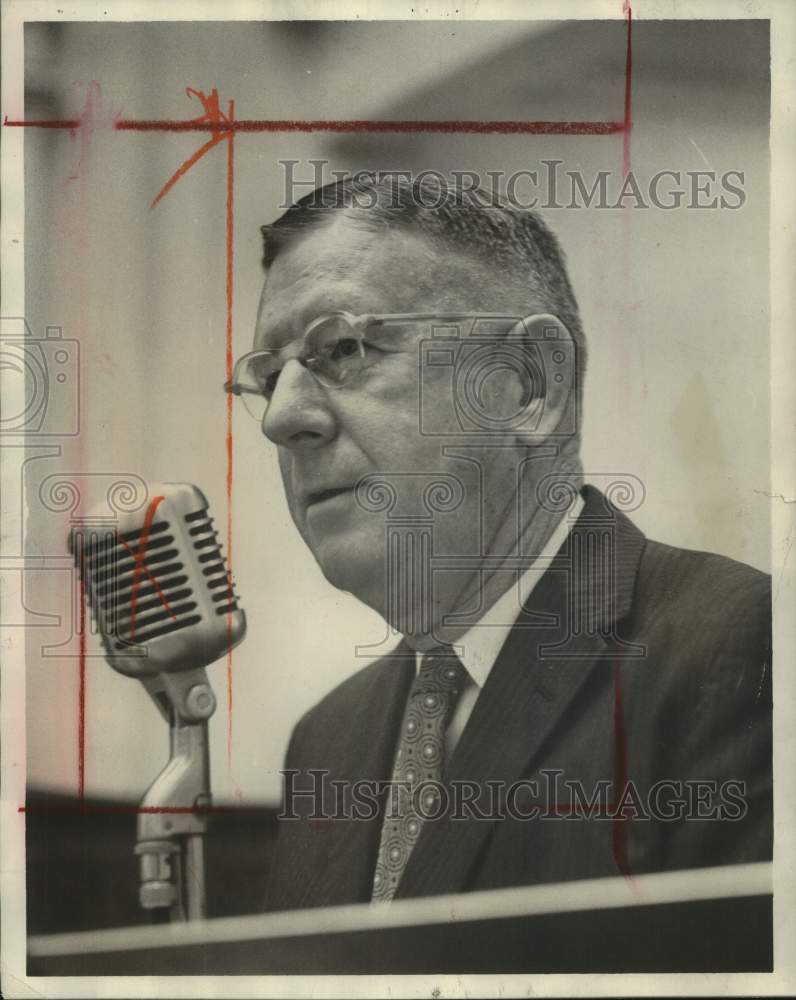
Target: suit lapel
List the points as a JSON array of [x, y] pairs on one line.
[[536, 676], [340, 869]]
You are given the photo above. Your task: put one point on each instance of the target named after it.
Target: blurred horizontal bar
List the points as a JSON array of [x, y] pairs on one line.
[[720, 882]]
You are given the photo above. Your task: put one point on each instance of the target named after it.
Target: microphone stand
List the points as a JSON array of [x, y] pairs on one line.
[[172, 821]]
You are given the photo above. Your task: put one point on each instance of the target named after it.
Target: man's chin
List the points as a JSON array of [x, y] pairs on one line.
[[352, 569]]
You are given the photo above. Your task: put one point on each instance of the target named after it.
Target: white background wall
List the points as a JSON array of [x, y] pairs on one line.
[[675, 306]]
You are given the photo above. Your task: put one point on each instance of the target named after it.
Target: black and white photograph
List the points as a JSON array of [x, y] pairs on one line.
[[398, 503]]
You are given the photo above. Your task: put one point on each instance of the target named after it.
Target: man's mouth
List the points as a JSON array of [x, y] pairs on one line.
[[321, 496]]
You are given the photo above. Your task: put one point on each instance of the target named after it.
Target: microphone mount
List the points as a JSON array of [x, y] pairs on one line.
[[172, 821]]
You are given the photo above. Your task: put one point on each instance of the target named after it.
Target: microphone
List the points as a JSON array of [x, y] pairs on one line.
[[158, 586], [165, 607]]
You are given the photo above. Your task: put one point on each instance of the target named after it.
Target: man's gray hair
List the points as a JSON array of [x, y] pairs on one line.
[[512, 241]]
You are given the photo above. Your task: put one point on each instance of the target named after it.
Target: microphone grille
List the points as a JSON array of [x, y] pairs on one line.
[[138, 585], [210, 558], [158, 585]]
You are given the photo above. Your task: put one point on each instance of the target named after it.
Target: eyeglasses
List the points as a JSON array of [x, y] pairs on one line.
[[339, 348]]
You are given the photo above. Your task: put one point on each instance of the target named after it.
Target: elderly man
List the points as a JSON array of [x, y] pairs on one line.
[[567, 699]]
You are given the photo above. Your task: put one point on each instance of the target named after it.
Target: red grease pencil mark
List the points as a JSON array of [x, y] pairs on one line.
[[230, 299], [620, 775], [140, 567], [86, 807], [212, 120], [153, 580], [365, 125], [96, 114], [222, 127], [72, 124], [627, 125], [225, 127], [81, 694]]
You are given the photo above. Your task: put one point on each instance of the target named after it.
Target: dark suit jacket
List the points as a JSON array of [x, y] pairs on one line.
[[632, 662]]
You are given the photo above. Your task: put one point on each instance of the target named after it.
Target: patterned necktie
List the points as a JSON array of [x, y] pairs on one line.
[[418, 764]]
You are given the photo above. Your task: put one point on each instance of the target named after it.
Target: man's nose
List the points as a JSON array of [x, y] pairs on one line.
[[298, 414]]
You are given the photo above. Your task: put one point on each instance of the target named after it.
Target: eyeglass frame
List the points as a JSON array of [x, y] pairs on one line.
[[358, 324]]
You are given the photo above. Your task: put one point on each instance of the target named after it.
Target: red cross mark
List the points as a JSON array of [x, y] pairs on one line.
[[140, 567]]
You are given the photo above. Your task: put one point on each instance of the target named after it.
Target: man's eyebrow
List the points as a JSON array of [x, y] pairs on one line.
[[274, 331]]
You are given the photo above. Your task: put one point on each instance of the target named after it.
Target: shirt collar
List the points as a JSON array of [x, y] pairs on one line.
[[479, 646]]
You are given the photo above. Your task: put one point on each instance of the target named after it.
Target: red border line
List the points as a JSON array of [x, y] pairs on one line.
[[355, 125], [81, 691], [601, 812], [85, 807], [627, 124], [70, 123], [619, 831], [229, 366], [358, 125]]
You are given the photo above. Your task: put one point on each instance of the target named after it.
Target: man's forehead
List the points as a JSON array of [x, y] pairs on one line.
[[345, 265], [347, 252]]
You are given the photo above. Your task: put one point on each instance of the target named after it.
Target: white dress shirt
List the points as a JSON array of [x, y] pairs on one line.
[[479, 646]]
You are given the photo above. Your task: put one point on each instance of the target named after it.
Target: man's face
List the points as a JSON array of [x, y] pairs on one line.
[[329, 438]]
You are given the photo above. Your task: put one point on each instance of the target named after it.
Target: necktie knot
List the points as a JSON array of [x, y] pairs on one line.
[[441, 671]]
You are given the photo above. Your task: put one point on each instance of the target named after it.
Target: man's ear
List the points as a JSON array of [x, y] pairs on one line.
[[549, 376]]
